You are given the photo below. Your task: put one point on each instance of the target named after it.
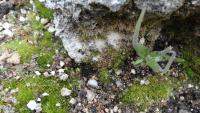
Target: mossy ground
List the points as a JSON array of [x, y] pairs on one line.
[[38, 86], [143, 96]]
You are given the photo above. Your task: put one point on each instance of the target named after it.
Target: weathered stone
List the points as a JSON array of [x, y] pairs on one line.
[[5, 7]]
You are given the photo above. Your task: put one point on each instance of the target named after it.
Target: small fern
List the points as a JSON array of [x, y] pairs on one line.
[[149, 57]]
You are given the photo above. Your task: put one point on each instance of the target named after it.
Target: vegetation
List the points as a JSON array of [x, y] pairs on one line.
[[32, 87], [148, 57], [143, 96]]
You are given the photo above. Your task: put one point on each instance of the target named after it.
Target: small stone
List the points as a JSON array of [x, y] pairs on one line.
[[65, 92], [183, 111], [37, 73], [51, 29], [64, 77], [37, 18], [182, 98], [144, 82], [32, 105], [45, 94], [62, 63], [48, 65], [44, 21], [53, 73], [118, 72], [142, 40], [72, 101], [115, 109], [38, 108], [22, 19], [90, 95], [93, 83], [23, 11], [119, 83], [107, 110], [46, 74], [58, 104], [61, 71], [6, 25], [38, 99], [8, 32], [14, 59], [133, 71], [190, 86]]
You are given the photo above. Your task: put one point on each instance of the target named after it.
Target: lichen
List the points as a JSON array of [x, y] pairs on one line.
[[143, 96]]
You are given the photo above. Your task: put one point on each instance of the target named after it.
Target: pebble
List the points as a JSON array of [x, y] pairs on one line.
[[22, 19], [65, 92], [115, 109], [45, 94], [90, 95], [37, 73], [133, 71], [23, 11], [51, 29], [61, 71], [37, 18], [190, 86], [72, 101], [62, 63], [46, 74], [58, 104], [118, 72], [144, 82], [182, 98], [64, 77], [6, 25], [93, 83], [8, 32], [14, 59], [32, 105], [38, 108], [119, 83], [44, 21], [38, 99], [53, 73]]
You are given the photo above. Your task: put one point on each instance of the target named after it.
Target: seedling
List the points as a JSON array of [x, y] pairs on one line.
[[149, 57]]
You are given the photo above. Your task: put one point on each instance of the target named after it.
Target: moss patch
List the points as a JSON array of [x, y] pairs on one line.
[[42, 10], [146, 95], [104, 77], [39, 85], [36, 25], [24, 49]]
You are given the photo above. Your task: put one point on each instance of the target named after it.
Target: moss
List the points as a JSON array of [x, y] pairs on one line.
[[36, 25], [24, 49], [112, 58], [39, 85], [146, 95], [42, 10], [104, 77]]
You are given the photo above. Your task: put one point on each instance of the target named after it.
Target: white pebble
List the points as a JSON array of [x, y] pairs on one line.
[[90, 95], [144, 82], [37, 73], [51, 29], [62, 63], [58, 104], [118, 72], [72, 101], [23, 11], [44, 21], [93, 83], [32, 105], [133, 71], [142, 41], [190, 86], [45, 94], [22, 19], [6, 25], [64, 77], [38, 99], [115, 109], [37, 18], [42, 0], [65, 92], [61, 71], [53, 73], [8, 32]]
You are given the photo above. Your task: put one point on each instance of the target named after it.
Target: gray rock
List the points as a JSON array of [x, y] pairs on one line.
[[163, 6], [5, 7]]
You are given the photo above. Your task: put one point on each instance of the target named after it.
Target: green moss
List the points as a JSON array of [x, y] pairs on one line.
[[42, 10], [24, 49], [39, 85], [146, 95], [36, 25], [104, 77]]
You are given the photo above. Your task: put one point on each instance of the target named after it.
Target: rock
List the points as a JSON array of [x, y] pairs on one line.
[[64, 77], [8, 32], [44, 21], [62, 63], [45, 94], [4, 56], [72, 101], [144, 82], [133, 71], [38, 108], [5, 7], [90, 95], [22, 19], [6, 25], [14, 59], [37, 73], [183, 111], [52, 73], [93, 83], [51, 29], [65, 92], [58, 104], [115, 109], [163, 6], [32, 105]]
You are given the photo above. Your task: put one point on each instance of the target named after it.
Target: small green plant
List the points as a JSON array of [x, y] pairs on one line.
[[149, 57]]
